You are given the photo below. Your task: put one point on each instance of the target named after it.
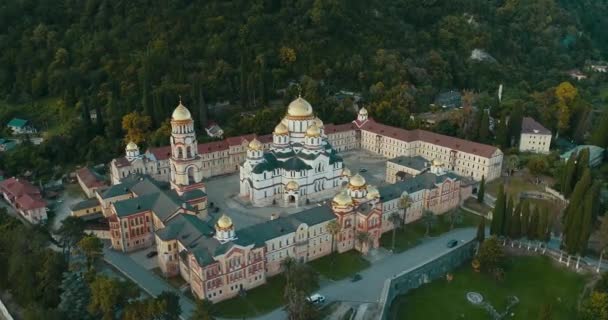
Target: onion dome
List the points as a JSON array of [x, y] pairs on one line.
[[181, 113], [292, 186], [281, 129], [299, 108], [255, 144], [342, 199], [372, 192], [363, 111], [346, 172], [224, 222], [318, 122], [357, 181], [313, 131], [437, 162], [132, 146]]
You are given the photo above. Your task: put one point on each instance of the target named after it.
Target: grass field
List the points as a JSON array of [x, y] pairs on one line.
[[414, 232], [340, 266], [258, 301], [533, 280]]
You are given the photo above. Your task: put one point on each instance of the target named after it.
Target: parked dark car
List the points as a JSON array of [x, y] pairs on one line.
[[355, 278], [452, 243], [362, 170], [151, 254], [216, 209]]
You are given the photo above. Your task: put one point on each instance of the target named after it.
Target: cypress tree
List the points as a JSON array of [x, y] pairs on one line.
[[499, 211], [576, 200], [543, 224], [582, 163], [506, 230], [533, 226], [502, 136], [484, 127], [525, 217], [243, 78], [516, 222], [515, 120], [202, 106], [482, 190], [586, 224], [481, 230], [568, 176]]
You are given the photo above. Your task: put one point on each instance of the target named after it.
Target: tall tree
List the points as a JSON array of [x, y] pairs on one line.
[[137, 127], [75, 296], [109, 295], [484, 128], [525, 217], [70, 232], [404, 203], [498, 216], [506, 229], [91, 246], [333, 227], [502, 133], [429, 219], [515, 119], [203, 310], [516, 222], [481, 192], [481, 231], [533, 225], [395, 220], [568, 179]]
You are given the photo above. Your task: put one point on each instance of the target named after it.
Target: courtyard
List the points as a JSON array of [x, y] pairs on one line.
[[533, 280], [223, 191]]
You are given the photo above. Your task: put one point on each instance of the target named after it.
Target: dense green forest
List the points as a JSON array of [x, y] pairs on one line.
[[63, 59]]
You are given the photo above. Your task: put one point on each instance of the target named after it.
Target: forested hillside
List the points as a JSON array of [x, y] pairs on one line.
[[116, 57]]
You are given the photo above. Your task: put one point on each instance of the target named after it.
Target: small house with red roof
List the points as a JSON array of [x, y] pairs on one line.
[[25, 198]]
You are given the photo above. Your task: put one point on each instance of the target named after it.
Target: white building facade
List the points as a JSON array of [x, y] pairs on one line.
[[300, 165], [534, 137]]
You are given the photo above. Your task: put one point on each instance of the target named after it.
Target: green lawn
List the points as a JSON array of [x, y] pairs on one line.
[[514, 185], [258, 301], [534, 280], [414, 232], [340, 266]]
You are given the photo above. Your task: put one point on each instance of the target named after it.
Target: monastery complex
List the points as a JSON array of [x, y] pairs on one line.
[[158, 198]]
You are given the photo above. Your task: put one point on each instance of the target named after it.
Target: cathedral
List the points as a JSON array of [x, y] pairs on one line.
[[300, 165]]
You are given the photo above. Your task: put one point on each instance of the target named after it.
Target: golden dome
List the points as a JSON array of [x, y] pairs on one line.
[[299, 108], [318, 122], [224, 222], [255, 144], [313, 131], [437, 162], [372, 192], [346, 172], [363, 111], [181, 113], [357, 181], [342, 199], [292, 186], [281, 129], [132, 146]]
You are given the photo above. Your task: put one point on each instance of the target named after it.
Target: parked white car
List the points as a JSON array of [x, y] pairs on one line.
[[316, 299]]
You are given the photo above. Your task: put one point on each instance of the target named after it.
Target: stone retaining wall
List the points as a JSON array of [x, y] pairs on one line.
[[424, 273]]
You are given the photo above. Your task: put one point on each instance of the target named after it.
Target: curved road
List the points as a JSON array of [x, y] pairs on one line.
[[369, 288]]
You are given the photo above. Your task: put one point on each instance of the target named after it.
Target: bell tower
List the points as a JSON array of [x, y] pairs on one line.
[[186, 170]]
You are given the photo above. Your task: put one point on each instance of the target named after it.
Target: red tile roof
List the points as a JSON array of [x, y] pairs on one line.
[[333, 128], [89, 178], [29, 202], [23, 193], [163, 153], [454, 143], [15, 187], [122, 162]]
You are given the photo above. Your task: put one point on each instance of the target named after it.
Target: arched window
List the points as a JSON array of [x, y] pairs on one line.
[[180, 153], [191, 179], [188, 152]]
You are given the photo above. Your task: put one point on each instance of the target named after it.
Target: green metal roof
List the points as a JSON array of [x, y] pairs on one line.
[[17, 122], [422, 181]]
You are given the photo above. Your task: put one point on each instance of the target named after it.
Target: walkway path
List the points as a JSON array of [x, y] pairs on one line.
[[145, 279], [369, 288]]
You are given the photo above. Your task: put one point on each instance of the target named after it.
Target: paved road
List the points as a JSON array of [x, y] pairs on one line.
[[369, 288], [148, 281]]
